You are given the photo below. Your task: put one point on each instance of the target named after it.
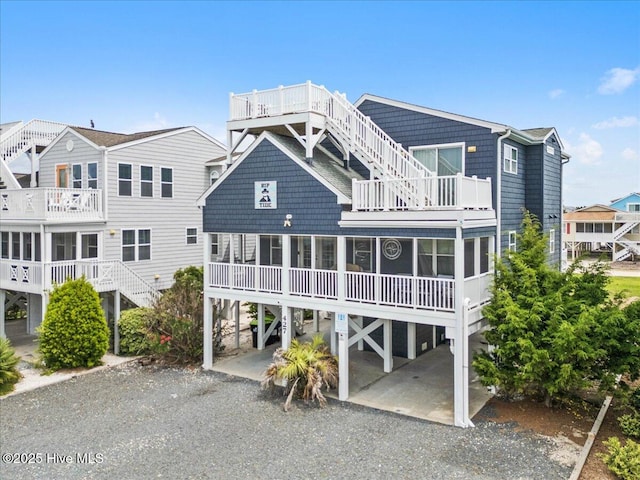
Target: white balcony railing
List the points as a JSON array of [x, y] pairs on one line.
[[456, 191], [424, 293], [104, 275], [43, 204]]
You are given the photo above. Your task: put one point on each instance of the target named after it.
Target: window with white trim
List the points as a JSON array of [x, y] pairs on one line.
[[192, 236], [146, 181], [444, 159], [633, 207], [76, 173], [136, 245], [552, 241], [275, 250], [512, 240], [510, 159], [436, 257], [124, 179], [166, 182], [4, 245], [92, 175], [215, 247]]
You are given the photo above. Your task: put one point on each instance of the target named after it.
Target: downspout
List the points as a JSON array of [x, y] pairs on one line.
[[499, 193]]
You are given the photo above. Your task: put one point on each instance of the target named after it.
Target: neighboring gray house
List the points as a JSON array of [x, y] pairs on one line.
[[383, 213], [117, 208]]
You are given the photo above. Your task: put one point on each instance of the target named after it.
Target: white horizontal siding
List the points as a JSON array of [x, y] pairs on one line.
[[58, 154], [168, 218]]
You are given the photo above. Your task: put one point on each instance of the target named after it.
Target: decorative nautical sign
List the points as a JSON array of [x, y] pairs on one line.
[[266, 195], [391, 248]]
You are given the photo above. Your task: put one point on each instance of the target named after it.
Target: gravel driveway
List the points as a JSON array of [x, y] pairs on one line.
[[134, 422]]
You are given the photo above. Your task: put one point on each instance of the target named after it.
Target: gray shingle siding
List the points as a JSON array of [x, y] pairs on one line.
[[414, 129]]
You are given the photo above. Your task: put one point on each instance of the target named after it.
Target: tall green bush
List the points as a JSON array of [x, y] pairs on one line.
[[74, 332], [9, 374], [133, 328]]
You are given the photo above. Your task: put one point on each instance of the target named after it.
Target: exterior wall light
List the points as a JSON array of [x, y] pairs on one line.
[[287, 220]]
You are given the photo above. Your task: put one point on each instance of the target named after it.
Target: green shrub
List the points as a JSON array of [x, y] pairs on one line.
[[133, 328], [632, 311], [177, 326], [9, 374], [630, 425], [74, 332], [624, 461]]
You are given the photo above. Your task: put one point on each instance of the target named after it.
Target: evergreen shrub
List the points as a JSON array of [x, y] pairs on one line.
[[74, 332]]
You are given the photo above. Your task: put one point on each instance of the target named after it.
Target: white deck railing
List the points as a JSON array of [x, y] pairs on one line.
[[34, 133], [354, 129], [44, 204], [393, 290], [104, 275], [454, 191]]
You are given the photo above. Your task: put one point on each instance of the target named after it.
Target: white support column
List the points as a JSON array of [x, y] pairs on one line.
[[261, 326], [388, 345], [411, 341], [207, 354], [460, 341], [116, 319], [236, 314], [316, 323], [343, 366], [334, 339], [287, 326], [359, 320], [340, 328], [3, 296], [341, 258], [308, 141], [34, 168], [286, 264]]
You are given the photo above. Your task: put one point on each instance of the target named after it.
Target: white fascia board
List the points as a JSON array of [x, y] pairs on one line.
[[341, 198], [62, 134], [494, 127]]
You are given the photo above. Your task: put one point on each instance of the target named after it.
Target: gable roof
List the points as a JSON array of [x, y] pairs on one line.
[[591, 213], [110, 139], [115, 141], [528, 137], [326, 169], [632, 194]]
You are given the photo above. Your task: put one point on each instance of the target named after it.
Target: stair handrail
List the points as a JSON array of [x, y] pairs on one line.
[[124, 278], [34, 132], [412, 168]]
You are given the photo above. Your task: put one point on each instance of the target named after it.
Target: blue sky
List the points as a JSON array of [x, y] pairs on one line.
[[132, 66]]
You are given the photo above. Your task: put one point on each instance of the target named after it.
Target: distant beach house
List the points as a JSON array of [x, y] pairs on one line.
[[383, 213], [613, 229], [117, 208]]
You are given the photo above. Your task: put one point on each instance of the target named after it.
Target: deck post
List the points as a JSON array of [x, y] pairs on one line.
[[388, 345], [207, 354], [261, 326], [411, 340], [343, 366], [236, 314], [116, 319], [287, 326], [3, 296]]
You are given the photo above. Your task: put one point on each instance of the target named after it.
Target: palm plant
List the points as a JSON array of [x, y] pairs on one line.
[[305, 368], [9, 374]]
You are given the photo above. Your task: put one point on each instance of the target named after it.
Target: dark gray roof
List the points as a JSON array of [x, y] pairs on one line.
[[329, 168], [538, 132], [110, 139]]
